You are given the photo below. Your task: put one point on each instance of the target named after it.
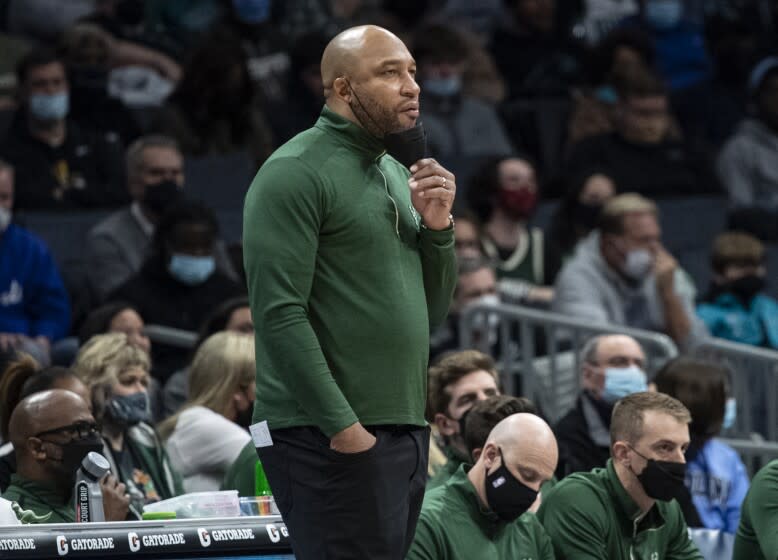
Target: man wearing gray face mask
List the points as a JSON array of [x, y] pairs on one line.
[[622, 275]]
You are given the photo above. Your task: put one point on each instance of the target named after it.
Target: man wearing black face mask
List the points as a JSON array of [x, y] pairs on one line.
[[117, 246], [736, 307], [479, 513], [350, 261], [627, 510], [52, 431]]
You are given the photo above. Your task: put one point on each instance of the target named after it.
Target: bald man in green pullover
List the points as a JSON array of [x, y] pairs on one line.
[[349, 256]]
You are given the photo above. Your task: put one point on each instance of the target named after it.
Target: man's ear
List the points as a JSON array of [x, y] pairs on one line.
[[36, 448], [446, 426], [489, 454], [620, 452], [342, 89], [477, 454]]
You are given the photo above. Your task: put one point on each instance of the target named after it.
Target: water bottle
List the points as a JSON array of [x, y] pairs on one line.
[[262, 489], [88, 495]]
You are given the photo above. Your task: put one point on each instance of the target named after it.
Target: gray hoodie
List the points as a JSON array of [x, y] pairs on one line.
[[748, 166], [588, 288]]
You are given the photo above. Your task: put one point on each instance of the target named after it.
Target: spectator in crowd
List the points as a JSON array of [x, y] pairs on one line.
[[178, 284], [594, 110], [577, 214], [117, 374], [622, 275], [644, 151], [34, 306], [467, 235], [627, 509], [756, 537], [532, 53], [678, 42], [20, 379], [305, 91], [117, 246], [715, 475], [476, 284], [233, 315], [601, 16], [611, 367], [456, 382], [748, 163], [480, 512], [58, 164], [736, 307], [458, 126], [205, 437], [116, 317], [504, 195], [86, 52], [214, 109], [52, 431]]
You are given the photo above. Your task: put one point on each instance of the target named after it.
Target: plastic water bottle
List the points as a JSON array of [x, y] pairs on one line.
[[262, 489], [88, 495]]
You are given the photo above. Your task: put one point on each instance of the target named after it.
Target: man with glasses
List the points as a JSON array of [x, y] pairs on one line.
[[52, 431], [611, 367], [628, 509]]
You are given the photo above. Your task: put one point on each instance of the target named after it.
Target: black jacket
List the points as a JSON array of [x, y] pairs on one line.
[[86, 171], [577, 451], [163, 300]]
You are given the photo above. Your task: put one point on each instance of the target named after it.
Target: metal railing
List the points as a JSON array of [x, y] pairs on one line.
[[171, 336], [537, 351], [755, 452], [754, 383]]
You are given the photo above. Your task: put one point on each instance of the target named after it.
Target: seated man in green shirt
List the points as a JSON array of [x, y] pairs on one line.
[[757, 535], [481, 511], [456, 383], [52, 431], [627, 510]]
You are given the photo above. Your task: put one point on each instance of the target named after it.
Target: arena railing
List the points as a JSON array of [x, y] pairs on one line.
[[538, 351], [754, 377], [170, 336]]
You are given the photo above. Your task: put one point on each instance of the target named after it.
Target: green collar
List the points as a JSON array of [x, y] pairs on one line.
[[49, 494], [632, 512], [460, 488], [350, 133]]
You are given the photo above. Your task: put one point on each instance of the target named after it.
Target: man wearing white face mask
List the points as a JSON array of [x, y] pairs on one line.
[[34, 306], [59, 165], [622, 275], [611, 368]]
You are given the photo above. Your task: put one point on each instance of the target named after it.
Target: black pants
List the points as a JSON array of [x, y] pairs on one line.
[[341, 506]]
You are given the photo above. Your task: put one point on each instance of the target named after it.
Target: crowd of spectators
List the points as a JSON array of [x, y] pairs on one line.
[[595, 110]]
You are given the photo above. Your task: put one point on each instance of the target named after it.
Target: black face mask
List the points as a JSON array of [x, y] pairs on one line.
[[161, 196], [507, 496], [75, 451], [243, 418], [746, 287], [407, 146], [587, 215], [662, 480]]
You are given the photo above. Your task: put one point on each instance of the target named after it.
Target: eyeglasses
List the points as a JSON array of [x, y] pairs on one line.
[[81, 429]]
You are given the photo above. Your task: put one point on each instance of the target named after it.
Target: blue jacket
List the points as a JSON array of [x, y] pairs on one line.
[[681, 54], [718, 484], [33, 300], [727, 317]]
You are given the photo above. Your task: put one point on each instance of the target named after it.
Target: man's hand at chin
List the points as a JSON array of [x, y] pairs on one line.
[[433, 189]]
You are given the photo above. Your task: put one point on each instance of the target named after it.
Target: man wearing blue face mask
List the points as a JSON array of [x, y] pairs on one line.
[[622, 275], [457, 125], [179, 285], [58, 164], [611, 368]]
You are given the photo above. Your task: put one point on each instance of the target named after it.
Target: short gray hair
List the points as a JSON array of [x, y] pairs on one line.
[[588, 352], [134, 154]]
